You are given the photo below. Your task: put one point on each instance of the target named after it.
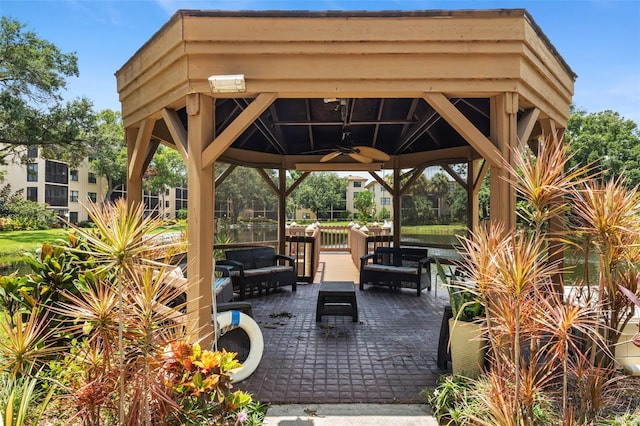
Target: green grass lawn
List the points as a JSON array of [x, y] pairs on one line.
[[14, 243], [452, 229]]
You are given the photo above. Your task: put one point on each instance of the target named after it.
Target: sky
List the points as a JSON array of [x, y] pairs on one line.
[[599, 39]]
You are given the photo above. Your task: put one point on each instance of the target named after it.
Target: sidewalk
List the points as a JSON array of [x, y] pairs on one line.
[[349, 414]]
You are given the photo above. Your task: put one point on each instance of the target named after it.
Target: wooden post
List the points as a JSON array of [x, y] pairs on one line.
[[504, 108], [397, 208], [282, 208], [200, 219], [475, 175], [134, 183]]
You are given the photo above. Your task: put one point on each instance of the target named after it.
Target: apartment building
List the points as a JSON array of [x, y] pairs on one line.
[[54, 183], [66, 189], [382, 199], [355, 184]]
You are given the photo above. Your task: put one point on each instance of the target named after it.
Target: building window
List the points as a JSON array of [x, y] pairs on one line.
[[92, 196], [92, 178], [32, 152], [181, 199], [355, 193], [73, 174], [385, 201], [32, 193], [166, 191], [56, 172], [73, 217], [73, 197], [56, 195], [357, 184], [32, 172], [166, 204]]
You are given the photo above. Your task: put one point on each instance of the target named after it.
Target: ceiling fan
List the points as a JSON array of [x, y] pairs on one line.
[[363, 154]]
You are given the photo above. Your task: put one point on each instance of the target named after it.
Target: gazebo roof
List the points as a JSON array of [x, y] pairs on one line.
[[368, 71]]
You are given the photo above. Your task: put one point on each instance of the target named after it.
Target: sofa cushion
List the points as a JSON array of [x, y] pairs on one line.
[[257, 271], [390, 268]]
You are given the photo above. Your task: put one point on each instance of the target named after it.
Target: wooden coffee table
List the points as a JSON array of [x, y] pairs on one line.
[[337, 298]]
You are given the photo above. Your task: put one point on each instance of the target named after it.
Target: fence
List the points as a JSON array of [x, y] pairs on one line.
[[334, 238], [303, 245]]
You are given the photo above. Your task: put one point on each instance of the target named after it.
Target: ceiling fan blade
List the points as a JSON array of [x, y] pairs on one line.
[[359, 157], [374, 153], [330, 156]]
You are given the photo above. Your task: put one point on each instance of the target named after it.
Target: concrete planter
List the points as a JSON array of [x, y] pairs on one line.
[[467, 347]]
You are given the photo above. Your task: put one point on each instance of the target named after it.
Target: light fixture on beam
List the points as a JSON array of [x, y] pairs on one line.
[[227, 83]]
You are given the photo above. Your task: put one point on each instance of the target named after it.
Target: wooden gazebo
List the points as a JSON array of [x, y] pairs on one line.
[[425, 87]]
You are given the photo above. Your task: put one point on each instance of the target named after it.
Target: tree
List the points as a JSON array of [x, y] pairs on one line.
[[32, 74], [363, 201], [166, 169], [608, 141], [242, 189], [109, 156], [319, 192]]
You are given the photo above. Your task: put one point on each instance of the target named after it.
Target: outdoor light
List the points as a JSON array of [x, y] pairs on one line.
[[227, 83]]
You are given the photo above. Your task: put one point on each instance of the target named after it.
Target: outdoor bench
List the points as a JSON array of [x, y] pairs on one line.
[[260, 268], [396, 267]]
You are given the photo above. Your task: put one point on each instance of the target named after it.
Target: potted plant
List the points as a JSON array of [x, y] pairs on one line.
[[465, 327]]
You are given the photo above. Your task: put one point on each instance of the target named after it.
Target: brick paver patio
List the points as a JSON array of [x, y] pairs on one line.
[[388, 356]]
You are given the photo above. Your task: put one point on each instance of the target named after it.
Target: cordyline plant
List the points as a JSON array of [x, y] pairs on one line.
[[125, 316], [541, 344], [117, 313]]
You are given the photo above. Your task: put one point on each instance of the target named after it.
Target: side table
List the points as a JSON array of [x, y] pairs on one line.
[[337, 298]]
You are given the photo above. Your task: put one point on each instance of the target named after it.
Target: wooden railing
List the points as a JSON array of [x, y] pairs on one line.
[[362, 243], [304, 246], [334, 238]]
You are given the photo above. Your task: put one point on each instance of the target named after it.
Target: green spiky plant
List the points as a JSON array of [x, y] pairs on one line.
[[536, 337], [117, 308], [125, 317]]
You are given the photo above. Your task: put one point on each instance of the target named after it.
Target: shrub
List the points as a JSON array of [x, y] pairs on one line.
[[27, 215]]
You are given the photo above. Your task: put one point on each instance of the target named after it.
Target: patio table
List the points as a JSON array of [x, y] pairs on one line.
[[337, 298]]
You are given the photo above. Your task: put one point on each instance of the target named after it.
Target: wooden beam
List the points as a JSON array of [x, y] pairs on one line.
[[274, 188], [235, 129], [473, 200], [140, 149], [177, 131], [455, 175], [338, 167], [465, 128], [549, 130], [479, 172], [415, 174], [223, 176], [381, 181], [297, 183], [525, 126], [134, 183]]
